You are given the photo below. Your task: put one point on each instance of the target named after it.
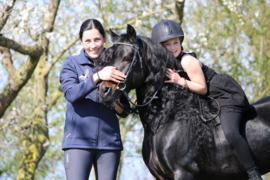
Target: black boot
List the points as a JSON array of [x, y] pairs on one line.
[[254, 174]]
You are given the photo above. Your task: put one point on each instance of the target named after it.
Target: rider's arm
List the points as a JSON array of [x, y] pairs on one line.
[[194, 71], [193, 68]]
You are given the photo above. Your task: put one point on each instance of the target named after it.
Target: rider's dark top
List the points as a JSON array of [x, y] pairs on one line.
[[221, 87]]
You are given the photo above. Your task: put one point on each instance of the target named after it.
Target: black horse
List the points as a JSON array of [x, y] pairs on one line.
[[177, 144]]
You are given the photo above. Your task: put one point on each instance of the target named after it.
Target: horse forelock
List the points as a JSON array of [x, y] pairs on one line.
[[124, 38], [108, 56]]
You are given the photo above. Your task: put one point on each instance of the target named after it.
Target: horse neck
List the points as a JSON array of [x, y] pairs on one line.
[[141, 93], [143, 97]]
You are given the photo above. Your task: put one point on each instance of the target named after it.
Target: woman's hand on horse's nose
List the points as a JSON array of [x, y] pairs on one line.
[[111, 73]]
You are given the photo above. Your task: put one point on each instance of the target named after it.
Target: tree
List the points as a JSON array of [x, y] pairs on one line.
[[49, 35], [33, 127], [231, 36], [17, 78], [44, 33]]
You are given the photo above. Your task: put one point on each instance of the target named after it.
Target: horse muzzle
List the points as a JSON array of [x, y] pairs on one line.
[[107, 92]]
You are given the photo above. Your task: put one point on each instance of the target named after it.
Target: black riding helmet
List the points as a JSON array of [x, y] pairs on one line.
[[165, 30]]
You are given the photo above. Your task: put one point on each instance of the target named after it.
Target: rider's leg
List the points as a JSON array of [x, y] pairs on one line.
[[230, 123]]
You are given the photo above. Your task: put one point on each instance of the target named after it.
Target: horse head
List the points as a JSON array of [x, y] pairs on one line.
[[140, 59], [125, 55]]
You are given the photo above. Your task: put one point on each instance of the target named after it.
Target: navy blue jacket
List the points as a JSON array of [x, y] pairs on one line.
[[89, 124]]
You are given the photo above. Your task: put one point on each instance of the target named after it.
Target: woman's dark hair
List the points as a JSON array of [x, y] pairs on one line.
[[91, 24]]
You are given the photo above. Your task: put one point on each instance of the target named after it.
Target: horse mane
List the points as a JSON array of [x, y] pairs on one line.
[[173, 102]]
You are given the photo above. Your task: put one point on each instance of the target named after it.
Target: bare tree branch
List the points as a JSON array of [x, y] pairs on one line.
[[140, 17], [179, 11], [17, 78], [55, 96], [16, 82], [7, 60], [5, 14], [34, 51], [58, 56], [50, 17]]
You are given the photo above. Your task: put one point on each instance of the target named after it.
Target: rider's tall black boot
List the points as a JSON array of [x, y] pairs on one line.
[[254, 174]]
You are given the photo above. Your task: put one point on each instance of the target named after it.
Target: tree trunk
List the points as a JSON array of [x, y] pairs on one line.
[[179, 11], [36, 138], [35, 143]]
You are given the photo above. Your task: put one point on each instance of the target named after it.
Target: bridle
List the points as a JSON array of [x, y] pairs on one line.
[[122, 85]]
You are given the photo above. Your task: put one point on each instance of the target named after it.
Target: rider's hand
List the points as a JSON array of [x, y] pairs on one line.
[[110, 73], [173, 76]]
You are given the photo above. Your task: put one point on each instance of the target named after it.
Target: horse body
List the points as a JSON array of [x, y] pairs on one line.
[[169, 155], [162, 155], [177, 145]]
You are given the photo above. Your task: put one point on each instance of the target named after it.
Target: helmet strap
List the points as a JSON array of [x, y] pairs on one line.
[[181, 50]]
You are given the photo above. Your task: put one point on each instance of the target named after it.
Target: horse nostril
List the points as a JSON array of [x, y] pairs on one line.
[[106, 90]]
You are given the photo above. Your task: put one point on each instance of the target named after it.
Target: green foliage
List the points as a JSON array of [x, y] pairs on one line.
[[232, 37], [18, 120]]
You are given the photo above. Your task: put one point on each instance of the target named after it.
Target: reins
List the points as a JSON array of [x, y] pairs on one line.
[[201, 114], [152, 98]]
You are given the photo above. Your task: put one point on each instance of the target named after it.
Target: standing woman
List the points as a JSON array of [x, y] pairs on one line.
[[91, 134], [203, 80]]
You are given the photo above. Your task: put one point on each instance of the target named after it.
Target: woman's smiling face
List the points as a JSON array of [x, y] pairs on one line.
[[93, 43], [173, 45]]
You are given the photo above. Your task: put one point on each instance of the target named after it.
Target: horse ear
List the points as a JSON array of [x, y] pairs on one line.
[[113, 36], [131, 33]]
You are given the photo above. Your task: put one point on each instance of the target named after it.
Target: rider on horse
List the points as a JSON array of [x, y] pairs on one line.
[[203, 80]]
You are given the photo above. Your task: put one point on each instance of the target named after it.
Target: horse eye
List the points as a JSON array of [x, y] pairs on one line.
[[126, 58]]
